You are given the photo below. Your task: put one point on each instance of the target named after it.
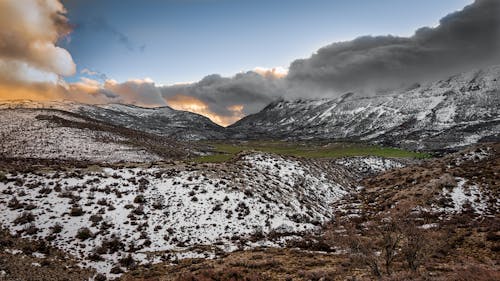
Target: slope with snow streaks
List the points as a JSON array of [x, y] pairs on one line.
[[163, 121], [29, 133], [170, 208], [461, 110]]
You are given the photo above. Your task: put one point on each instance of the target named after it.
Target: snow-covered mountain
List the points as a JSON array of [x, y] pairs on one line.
[[461, 110], [446, 114], [162, 121]]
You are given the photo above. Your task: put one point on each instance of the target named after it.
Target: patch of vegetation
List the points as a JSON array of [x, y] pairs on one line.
[[3, 177], [223, 151], [84, 233]]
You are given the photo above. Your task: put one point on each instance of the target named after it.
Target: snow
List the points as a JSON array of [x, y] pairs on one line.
[[460, 195], [445, 114], [25, 135], [370, 164], [182, 206]]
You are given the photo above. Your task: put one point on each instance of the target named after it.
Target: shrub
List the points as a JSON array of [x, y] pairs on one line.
[[102, 202], [222, 275], [100, 277], [95, 218], [25, 217], [14, 204], [112, 245], [139, 199], [84, 233], [31, 229], [116, 270], [127, 261], [76, 212], [477, 273], [3, 177], [56, 228]]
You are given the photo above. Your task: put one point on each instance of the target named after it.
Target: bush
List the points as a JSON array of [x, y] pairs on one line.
[[127, 261], [225, 275], [76, 212], [116, 270], [56, 228], [112, 245], [15, 204], [95, 218], [100, 277], [25, 217], [84, 233], [3, 177], [139, 199]]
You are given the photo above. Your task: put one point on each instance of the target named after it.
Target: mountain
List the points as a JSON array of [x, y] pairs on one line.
[[57, 131], [443, 115], [162, 121], [446, 114]]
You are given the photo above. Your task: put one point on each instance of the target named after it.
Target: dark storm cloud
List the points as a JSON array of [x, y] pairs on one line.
[[249, 89], [463, 40]]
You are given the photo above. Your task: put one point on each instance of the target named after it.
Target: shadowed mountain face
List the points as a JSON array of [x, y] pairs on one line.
[[461, 110]]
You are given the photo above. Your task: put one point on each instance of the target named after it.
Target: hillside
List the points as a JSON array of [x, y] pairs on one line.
[[162, 121], [434, 220], [103, 215], [62, 135], [446, 114]]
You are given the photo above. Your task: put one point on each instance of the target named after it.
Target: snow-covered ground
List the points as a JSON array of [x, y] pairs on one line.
[[23, 135], [370, 165], [463, 194], [160, 212]]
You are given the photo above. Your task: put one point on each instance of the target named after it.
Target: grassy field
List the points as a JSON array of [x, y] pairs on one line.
[[223, 151]]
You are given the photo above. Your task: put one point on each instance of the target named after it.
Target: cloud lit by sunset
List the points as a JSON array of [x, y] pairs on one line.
[[192, 104], [275, 72]]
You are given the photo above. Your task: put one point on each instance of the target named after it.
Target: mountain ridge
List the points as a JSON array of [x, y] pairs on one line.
[[442, 115], [450, 113]]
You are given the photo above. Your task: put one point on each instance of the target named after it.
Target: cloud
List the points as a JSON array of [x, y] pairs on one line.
[[142, 92], [192, 104], [94, 73], [248, 92], [31, 65], [275, 72], [29, 30], [466, 39]]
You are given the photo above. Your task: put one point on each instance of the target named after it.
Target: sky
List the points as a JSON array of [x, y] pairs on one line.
[[226, 59], [176, 41]]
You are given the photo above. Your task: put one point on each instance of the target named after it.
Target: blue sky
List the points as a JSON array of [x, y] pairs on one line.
[[184, 40]]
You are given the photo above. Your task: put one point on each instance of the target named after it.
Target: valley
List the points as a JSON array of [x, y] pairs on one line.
[[303, 190]]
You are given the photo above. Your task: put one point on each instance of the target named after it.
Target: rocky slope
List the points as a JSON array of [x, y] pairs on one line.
[[461, 110]]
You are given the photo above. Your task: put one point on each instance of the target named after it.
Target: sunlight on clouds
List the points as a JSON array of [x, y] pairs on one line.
[[192, 104], [29, 30], [275, 72]]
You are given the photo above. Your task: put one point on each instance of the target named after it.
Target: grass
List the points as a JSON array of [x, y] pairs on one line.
[[223, 151]]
